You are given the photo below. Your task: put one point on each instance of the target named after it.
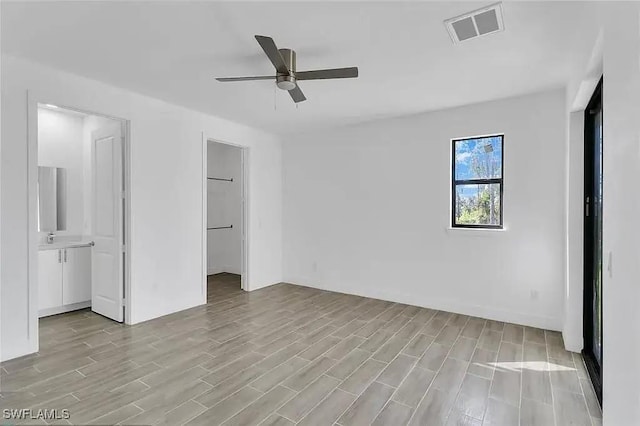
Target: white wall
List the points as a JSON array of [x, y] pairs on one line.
[[60, 144], [224, 199], [580, 88], [621, 204], [367, 211], [615, 53], [167, 171], [572, 331]]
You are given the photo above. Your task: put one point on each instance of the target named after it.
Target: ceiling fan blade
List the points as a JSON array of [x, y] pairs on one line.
[[297, 95], [351, 72], [272, 52], [262, 77]]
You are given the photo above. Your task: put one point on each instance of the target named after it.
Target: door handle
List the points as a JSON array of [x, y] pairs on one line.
[[586, 207], [59, 256], [65, 255]]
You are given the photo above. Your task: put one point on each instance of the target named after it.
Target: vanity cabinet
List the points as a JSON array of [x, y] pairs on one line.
[[76, 275], [64, 277], [49, 279]]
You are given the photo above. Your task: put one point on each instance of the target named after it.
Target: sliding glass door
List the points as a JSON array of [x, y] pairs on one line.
[[593, 259]]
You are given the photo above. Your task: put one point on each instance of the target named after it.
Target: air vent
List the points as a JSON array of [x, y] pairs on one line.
[[478, 23]]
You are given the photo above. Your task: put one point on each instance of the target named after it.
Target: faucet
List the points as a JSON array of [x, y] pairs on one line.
[[50, 237]]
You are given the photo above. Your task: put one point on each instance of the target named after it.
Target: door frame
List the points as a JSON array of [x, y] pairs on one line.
[[594, 371], [244, 246], [33, 101]]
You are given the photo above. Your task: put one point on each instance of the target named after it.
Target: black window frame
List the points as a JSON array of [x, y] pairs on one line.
[[456, 182]]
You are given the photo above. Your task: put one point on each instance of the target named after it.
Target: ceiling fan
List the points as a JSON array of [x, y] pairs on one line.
[[284, 60]]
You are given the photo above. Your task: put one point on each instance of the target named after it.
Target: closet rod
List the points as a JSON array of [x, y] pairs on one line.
[[226, 180], [221, 227]]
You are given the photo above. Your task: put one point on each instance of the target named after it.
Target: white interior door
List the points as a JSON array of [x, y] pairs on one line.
[[107, 278]]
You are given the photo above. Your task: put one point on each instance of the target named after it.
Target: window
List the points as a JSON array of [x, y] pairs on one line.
[[476, 190]]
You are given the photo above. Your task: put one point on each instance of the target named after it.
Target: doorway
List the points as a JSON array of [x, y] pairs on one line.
[[225, 218], [79, 220], [593, 255]]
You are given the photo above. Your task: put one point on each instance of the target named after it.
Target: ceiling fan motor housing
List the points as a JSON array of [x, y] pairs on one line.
[[287, 82]]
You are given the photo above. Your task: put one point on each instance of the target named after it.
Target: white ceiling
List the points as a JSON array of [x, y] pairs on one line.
[[408, 64]]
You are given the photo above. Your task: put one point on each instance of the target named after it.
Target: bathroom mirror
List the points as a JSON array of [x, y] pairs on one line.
[[52, 199]]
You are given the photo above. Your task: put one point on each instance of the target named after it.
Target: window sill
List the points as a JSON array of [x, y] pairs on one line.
[[476, 232]]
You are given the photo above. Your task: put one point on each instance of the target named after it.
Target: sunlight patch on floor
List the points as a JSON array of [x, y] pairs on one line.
[[530, 365]]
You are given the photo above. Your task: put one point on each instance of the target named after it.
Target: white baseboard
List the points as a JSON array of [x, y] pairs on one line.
[[573, 343], [62, 309], [19, 349], [447, 305], [260, 286], [212, 270], [159, 311]]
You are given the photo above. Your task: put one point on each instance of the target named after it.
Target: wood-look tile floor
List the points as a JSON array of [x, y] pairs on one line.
[[288, 355]]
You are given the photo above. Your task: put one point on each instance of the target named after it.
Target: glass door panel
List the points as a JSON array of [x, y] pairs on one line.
[[593, 256]]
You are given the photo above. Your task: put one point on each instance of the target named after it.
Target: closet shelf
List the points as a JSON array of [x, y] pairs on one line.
[[221, 179]]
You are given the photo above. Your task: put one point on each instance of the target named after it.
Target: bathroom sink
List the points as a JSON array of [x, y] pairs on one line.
[[66, 242]]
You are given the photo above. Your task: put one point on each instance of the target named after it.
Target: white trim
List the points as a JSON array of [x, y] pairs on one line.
[[126, 150], [1, 346], [203, 242], [244, 232], [32, 220], [33, 99], [224, 269], [447, 305], [572, 342], [62, 309], [475, 232]]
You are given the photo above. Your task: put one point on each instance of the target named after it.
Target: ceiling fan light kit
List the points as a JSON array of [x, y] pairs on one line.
[[284, 61], [287, 81]]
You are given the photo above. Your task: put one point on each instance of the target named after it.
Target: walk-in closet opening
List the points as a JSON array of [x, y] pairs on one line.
[[225, 217]]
